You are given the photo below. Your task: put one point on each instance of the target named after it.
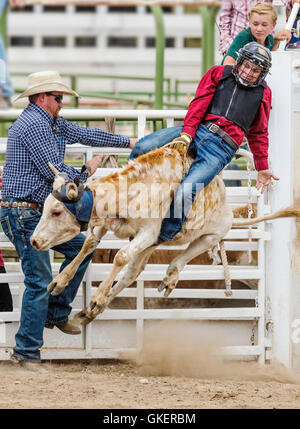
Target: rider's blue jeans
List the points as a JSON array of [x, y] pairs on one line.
[[211, 154], [38, 306]]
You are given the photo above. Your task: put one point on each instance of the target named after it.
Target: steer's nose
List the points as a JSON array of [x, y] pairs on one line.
[[34, 243]]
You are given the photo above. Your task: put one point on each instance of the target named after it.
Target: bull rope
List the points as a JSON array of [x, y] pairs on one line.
[[228, 291], [110, 161]]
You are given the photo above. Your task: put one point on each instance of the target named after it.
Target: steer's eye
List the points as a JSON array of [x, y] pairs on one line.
[[55, 213]]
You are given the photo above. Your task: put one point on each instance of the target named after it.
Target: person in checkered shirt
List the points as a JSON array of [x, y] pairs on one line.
[[37, 137]]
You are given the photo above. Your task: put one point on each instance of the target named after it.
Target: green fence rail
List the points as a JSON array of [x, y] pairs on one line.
[[182, 81], [75, 77], [170, 96]]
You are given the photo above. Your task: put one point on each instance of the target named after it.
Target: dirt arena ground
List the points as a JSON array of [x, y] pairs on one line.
[[114, 385], [172, 372]]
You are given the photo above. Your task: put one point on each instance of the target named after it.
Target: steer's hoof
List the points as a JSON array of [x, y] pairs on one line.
[[83, 318], [163, 286], [51, 286], [55, 289], [88, 314], [167, 291], [95, 309]]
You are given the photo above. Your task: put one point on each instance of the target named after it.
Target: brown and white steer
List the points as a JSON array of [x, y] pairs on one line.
[[132, 203]]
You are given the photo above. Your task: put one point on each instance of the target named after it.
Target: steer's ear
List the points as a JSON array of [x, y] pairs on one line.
[[71, 191]]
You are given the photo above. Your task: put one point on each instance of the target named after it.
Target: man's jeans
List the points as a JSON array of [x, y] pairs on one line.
[[38, 305], [211, 154]]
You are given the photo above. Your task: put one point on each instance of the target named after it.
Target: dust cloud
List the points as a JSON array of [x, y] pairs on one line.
[[181, 349]]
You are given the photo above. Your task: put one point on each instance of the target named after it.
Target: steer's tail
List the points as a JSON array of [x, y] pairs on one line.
[[288, 212]]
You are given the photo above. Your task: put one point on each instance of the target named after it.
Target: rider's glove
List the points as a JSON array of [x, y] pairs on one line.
[[181, 143]]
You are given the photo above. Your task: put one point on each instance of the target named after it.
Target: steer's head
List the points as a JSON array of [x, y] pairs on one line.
[[62, 214]]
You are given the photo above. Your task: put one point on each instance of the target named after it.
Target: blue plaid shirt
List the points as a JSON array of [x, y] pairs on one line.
[[35, 139]]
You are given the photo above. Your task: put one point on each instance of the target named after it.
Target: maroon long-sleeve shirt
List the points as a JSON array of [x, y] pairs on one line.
[[257, 134]]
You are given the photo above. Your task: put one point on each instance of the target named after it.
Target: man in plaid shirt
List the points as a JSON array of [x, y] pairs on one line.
[[234, 18], [37, 137]]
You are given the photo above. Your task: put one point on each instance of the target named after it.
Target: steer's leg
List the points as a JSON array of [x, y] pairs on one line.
[[201, 245], [133, 269], [142, 241], [62, 279]]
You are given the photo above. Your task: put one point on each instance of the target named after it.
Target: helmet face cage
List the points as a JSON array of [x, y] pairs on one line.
[[255, 54]]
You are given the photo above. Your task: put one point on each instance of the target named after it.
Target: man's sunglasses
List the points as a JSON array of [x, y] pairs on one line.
[[57, 98]]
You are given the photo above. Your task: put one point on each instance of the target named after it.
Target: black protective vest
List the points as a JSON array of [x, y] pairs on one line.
[[236, 103]]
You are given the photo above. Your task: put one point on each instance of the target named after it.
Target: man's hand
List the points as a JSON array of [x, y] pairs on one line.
[[17, 3], [264, 179], [132, 143], [283, 35], [93, 164]]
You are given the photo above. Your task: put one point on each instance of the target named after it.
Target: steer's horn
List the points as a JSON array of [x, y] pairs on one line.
[[54, 170], [60, 178]]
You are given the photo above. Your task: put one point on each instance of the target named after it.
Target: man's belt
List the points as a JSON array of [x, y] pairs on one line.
[[214, 128], [20, 204]]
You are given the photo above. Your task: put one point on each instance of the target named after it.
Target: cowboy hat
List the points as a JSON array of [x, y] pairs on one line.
[[45, 81]]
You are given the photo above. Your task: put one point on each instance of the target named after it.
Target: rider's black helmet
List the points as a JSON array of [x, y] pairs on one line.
[[257, 54]]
